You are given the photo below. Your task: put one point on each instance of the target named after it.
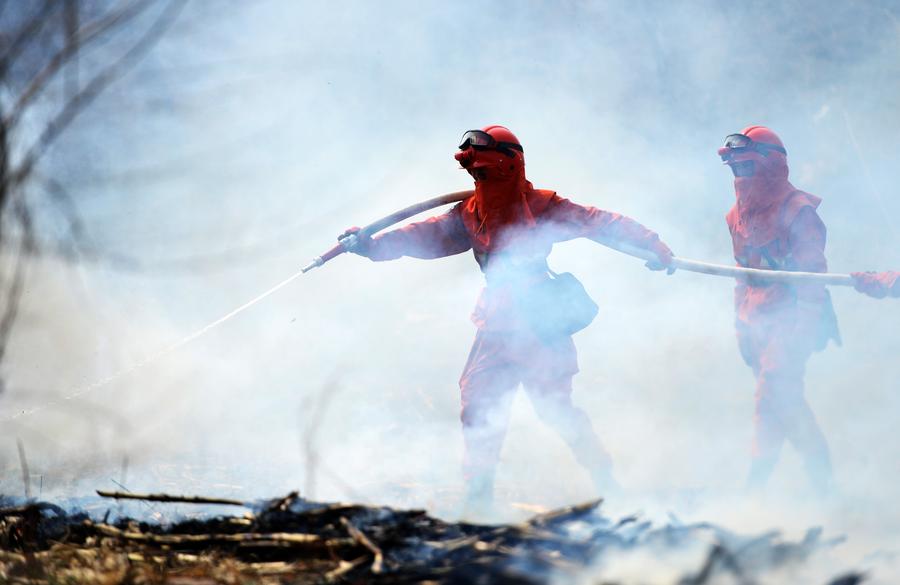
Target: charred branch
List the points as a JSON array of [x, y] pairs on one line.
[[243, 539], [170, 498]]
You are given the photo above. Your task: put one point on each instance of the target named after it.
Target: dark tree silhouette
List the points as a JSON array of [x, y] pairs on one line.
[[40, 44]]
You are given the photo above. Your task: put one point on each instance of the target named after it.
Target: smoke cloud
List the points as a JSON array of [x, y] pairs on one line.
[[256, 132]]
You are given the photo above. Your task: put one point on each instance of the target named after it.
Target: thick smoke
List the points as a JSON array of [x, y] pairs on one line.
[[254, 134]]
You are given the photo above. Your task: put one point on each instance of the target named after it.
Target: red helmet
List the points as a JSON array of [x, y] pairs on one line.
[[503, 135], [491, 146], [758, 139], [764, 136], [754, 145]]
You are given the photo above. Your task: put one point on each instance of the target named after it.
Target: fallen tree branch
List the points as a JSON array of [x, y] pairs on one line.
[[27, 508], [169, 498], [565, 514], [361, 538], [248, 538], [343, 568]]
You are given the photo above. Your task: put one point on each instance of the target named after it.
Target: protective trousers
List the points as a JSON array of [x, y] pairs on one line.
[[778, 357], [497, 364]]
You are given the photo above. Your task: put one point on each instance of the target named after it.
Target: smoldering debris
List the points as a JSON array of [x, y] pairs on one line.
[[293, 540]]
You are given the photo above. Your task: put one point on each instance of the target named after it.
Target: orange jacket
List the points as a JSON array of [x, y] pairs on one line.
[[795, 241]]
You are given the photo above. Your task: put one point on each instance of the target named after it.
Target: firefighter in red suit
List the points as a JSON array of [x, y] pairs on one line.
[[511, 227], [775, 226], [877, 284]]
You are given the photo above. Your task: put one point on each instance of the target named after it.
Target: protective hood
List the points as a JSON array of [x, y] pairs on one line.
[[761, 194], [501, 193]]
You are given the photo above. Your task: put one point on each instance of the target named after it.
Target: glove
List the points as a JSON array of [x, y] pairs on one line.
[[871, 283], [663, 260], [355, 243]]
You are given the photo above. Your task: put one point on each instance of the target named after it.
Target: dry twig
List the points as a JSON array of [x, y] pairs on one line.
[[26, 475], [170, 498], [361, 538], [242, 538]]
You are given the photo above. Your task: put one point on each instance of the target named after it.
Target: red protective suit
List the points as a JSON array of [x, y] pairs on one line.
[[877, 284], [775, 226], [511, 228], [505, 351]]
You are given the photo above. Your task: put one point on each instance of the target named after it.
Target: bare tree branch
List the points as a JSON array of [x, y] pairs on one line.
[[26, 33], [11, 308], [4, 173], [17, 282], [70, 22], [69, 209], [91, 32], [16, 225], [94, 88]]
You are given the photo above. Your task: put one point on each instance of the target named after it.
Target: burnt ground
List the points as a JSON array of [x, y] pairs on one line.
[[292, 540]]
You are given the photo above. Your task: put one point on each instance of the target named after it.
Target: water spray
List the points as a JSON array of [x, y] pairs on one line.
[[342, 247]]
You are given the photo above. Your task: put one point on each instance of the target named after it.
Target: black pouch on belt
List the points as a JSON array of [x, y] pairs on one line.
[[558, 306]]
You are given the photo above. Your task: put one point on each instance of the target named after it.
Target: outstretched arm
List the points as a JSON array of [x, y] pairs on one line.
[[435, 237], [574, 221]]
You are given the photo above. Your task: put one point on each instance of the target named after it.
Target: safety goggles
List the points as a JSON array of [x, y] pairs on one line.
[[479, 139], [738, 143]]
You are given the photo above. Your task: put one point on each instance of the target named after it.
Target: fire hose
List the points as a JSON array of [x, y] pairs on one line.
[[783, 276], [346, 243]]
